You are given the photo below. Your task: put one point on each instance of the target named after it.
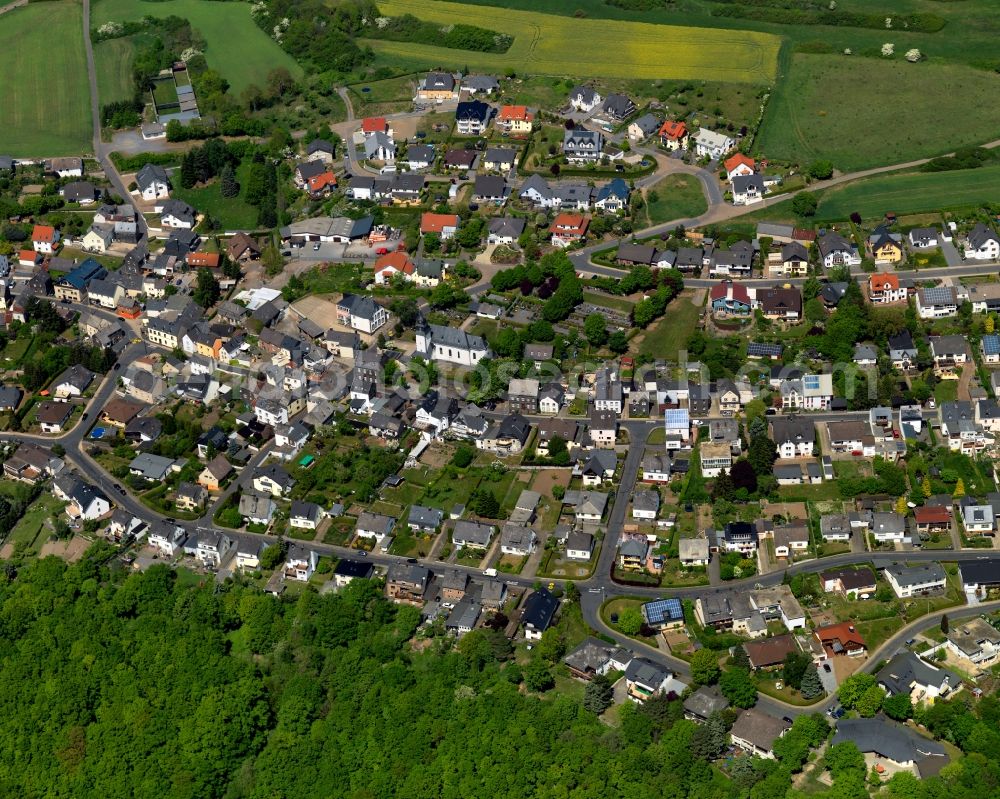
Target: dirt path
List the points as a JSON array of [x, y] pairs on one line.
[[12, 6], [346, 97]]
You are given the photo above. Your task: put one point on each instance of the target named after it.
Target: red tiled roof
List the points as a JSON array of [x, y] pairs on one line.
[[673, 130], [435, 223], [845, 632], [727, 288], [512, 113], [399, 261], [883, 280], [210, 259], [45, 233], [932, 514], [739, 160], [322, 180], [373, 124], [570, 223]]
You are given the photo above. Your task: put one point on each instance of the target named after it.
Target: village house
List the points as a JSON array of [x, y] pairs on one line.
[[673, 135], [755, 732]]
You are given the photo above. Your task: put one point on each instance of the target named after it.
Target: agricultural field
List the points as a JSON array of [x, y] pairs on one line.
[[968, 36], [912, 193], [237, 48], [836, 107], [113, 64], [46, 102], [548, 44]]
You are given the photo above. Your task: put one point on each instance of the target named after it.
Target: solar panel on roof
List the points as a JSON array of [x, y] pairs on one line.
[[761, 349], [811, 381], [991, 345], [938, 295], [663, 609]]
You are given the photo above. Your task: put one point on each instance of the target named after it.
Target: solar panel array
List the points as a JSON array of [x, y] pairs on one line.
[[661, 610]]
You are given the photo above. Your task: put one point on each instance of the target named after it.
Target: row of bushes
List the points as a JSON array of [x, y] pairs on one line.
[[408, 28], [771, 11]]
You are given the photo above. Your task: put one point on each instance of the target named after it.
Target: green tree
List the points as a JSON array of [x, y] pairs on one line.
[[595, 329], [844, 757], [925, 487], [228, 186], [898, 707], [483, 502], [738, 686], [272, 260], [853, 687], [709, 739], [598, 695], [538, 676], [804, 204], [811, 686], [762, 454], [206, 291], [272, 556], [821, 170], [553, 645], [618, 342], [189, 174], [723, 486], [870, 702], [630, 621], [944, 623], [794, 668], [705, 667]]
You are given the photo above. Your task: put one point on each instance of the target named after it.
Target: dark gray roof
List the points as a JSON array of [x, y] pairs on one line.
[[906, 669], [893, 741], [705, 701], [539, 609]]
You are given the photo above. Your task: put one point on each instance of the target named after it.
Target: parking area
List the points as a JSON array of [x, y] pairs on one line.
[[321, 311]]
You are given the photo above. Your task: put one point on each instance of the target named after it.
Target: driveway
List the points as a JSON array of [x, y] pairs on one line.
[[950, 252], [968, 370], [714, 571], [828, 678]]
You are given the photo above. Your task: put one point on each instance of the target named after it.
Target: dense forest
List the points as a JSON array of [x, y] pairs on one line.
[[152, 685]]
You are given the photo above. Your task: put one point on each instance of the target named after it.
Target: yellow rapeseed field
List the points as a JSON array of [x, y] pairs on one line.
[[548, 44]]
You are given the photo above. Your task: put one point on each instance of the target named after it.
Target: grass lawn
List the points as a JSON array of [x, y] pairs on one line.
[[608, 301], [614, 607], [382, 96], [670, 334], [676, 197], [823, 109], [803, 493], [335, 279], [544, 44], [946, 391], [765, 684], [15, 350], [234, 214], [34, 527], [221, 24], [46, 101], [912, 193], [164, 91]]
